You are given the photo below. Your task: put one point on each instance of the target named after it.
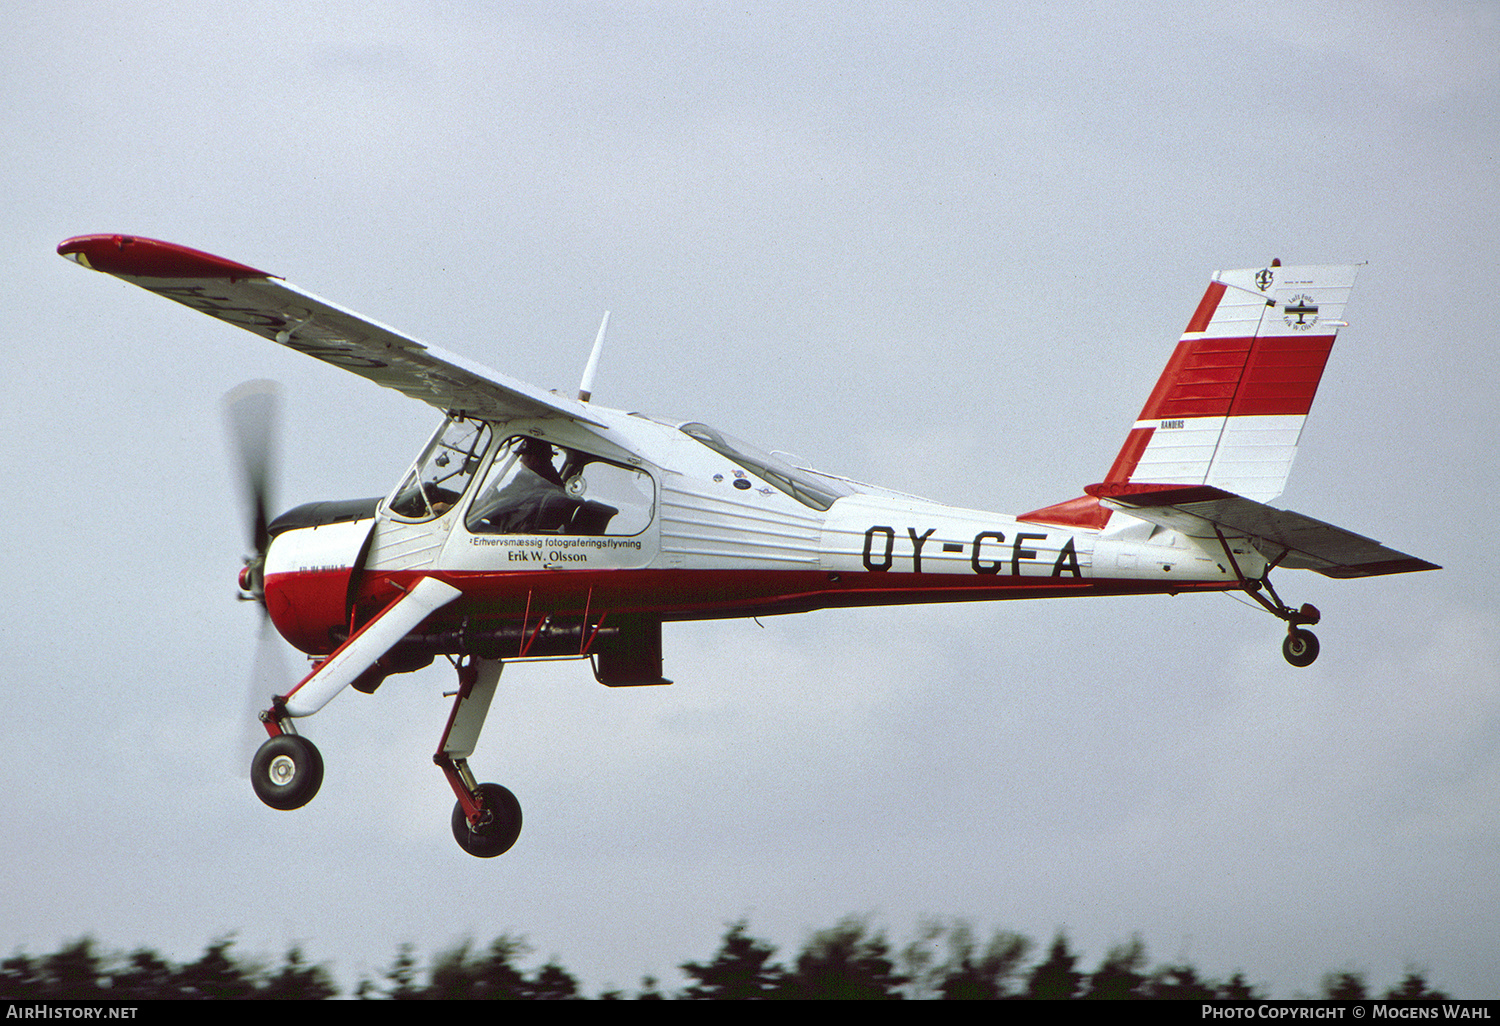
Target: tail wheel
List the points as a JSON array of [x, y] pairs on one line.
[[498, 833], [1300, 647], [286, 772]]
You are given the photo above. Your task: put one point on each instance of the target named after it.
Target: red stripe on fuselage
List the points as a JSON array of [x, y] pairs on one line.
[[713, 594], [503, 597]]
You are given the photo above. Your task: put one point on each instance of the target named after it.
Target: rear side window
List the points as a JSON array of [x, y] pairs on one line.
[[812, 490]]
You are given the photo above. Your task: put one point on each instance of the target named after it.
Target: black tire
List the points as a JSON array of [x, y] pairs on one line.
[[286, 772], [1300, 647], [496, 836]]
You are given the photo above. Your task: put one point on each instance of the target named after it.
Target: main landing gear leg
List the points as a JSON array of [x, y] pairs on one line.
[[1301, 646], [487, 817]]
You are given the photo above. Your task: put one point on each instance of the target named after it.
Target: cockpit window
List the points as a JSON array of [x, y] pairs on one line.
[[534, 487], [811, 490], [438, 481]]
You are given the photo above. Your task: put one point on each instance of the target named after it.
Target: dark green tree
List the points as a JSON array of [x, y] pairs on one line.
[[492, 976], [919, 961], [215, 976], [497, 978], [1413, 987], [1121, 975], [452, 978], [73, 971], [401, 977], [144, 976], [741, 971], [1237, 989], [1055, 979], [20, 977], [297, 981], [844, 963], [1345, 985], [1178, 983], [552, 983], [973, 975]]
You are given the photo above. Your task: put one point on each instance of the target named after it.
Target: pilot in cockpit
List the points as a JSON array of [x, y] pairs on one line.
[[531, 498], [536, 456]]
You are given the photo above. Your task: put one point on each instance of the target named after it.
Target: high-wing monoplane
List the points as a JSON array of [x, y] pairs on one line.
[[538, 526]]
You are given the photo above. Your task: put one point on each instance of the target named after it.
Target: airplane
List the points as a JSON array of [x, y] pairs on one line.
[[535, 525]]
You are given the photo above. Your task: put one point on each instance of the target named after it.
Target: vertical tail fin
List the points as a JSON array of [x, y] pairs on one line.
[[1228, 409]]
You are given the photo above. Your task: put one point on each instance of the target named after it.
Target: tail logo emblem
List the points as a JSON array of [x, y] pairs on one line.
[[1301, 313], [1264, 277]]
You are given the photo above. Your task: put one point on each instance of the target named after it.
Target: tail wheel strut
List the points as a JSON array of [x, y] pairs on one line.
[[1301, 646]]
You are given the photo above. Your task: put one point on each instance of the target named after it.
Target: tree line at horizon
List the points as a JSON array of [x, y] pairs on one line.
[[946, 960]]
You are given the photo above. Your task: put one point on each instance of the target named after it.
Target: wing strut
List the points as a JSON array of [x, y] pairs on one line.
[[360, 652]]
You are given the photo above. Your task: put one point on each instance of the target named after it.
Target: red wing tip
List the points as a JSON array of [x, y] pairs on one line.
[[137, 257]]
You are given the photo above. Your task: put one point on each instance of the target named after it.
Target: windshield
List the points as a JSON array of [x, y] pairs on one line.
[[437, 482], [812, 490]]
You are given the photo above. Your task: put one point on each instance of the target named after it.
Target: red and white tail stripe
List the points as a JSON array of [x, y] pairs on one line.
[[1229, 408]]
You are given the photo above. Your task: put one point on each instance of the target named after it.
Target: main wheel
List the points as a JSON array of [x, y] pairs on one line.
[[1300, 647], [286, 772], [496, 836]]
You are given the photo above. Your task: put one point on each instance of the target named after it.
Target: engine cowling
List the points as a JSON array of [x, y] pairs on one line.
[[308, 569]]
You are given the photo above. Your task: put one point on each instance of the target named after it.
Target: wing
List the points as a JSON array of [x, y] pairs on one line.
[[275, 309], [1294, 540]]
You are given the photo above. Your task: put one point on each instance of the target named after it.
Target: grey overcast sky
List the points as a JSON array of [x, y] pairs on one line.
[[942, 247]]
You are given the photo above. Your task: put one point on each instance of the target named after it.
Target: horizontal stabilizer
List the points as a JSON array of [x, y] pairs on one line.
[[1282, 537]]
